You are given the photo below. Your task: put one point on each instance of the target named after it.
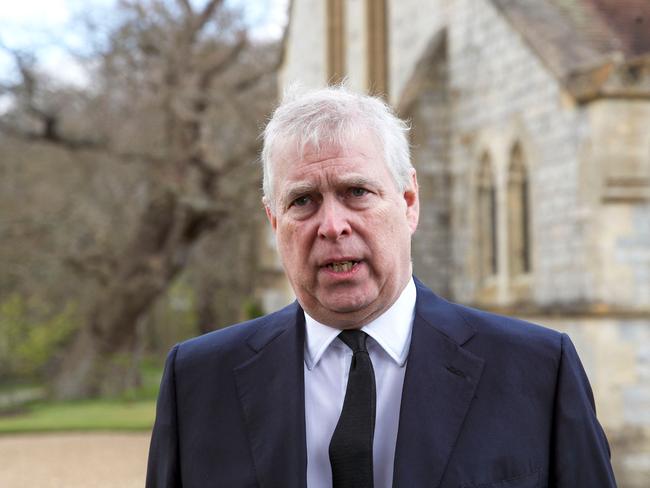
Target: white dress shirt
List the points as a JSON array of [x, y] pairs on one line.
[[327, 364]]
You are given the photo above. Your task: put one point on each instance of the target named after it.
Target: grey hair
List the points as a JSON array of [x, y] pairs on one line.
[[335, 116]]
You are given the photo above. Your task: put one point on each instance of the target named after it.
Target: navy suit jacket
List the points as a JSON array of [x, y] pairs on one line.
[[488, 401]]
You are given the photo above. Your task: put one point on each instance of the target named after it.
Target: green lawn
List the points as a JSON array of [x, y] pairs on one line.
[[133, 411], [82, 416]]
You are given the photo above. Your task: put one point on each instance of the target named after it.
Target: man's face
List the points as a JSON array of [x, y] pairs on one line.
[[343, 230]]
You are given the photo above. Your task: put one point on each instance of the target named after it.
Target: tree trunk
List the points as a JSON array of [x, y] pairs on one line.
[[101, 359], [205, 308], [226, 287]]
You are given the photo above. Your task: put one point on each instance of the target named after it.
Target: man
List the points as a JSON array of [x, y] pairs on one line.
[[415, 392]]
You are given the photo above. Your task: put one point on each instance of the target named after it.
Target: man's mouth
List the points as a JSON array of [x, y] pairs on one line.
[[342, 266]]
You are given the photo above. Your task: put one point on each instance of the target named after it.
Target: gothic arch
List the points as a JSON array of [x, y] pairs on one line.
[[518, 214], [486, 220]]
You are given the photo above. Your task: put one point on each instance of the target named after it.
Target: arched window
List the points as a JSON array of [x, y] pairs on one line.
[[486, 219], [377, 47], [519, 255], [335, 41]]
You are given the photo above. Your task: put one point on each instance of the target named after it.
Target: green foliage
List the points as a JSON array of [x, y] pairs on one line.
[[252, 309], [150, 373], [173, 319], [30, 334]]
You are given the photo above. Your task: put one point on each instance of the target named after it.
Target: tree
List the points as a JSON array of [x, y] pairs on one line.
[[179, 92]]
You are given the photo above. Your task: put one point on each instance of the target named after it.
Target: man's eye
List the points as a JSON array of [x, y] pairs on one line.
[[301, 201], [358, 192]]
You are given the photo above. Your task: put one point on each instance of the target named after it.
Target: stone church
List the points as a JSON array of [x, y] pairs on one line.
[[531, 138]]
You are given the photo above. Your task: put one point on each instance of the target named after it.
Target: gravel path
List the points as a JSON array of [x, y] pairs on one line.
[[93, 460]]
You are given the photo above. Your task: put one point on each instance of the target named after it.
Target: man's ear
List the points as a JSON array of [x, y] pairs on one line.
[[412, 202], [269, 214]]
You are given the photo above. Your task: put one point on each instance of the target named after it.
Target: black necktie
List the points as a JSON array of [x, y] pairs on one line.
[[351, 445]]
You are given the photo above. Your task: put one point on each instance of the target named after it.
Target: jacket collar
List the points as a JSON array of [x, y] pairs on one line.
[[272, 395]]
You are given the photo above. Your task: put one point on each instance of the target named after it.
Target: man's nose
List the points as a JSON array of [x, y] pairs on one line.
[[334, 220]]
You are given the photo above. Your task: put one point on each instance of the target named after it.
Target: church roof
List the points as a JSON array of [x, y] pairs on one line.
[[596, 47], [628, 21]]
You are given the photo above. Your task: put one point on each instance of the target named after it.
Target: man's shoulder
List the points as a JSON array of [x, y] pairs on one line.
[[236, 339], [499, 325], [512, 346], [485, 329], [513, 350]]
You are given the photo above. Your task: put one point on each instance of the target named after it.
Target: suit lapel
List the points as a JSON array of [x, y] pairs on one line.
[[439, 385], [271, 391]]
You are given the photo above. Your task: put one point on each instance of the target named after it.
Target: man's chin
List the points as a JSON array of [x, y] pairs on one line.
[[345, 308], [342, 313], [345, 303]]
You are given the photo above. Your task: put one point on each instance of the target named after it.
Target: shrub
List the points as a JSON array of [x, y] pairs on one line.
[[31, 332]]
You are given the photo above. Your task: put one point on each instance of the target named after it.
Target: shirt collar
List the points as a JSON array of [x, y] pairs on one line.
[[391, 330]]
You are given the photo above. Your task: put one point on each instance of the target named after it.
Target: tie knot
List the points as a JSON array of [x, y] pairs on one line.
[[355, 339]]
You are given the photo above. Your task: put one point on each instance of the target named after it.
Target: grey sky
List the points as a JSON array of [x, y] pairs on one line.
[[42, 25]]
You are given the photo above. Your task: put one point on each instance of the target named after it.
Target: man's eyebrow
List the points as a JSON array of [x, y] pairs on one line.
[[296, 190], [357, 180]]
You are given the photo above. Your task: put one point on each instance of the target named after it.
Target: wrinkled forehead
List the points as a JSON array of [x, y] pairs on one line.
[[301, 146]]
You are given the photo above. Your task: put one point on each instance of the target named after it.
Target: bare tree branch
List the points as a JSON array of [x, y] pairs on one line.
[[207, 13], [252, 81], [50, 137], [97, 266], [49, 134], [233, 161], [195, 23], [186, 7], [246, 83], [224, 63]]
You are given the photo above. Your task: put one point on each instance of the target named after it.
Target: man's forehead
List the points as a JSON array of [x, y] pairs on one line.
[[316, 167], [298, 147], [316, 180], [346, 160]]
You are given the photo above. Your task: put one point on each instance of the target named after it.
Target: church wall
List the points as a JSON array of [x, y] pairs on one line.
[[502, 93], [614, 166], [430, 135], [305, 56], [412, 23], [621, 255]]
